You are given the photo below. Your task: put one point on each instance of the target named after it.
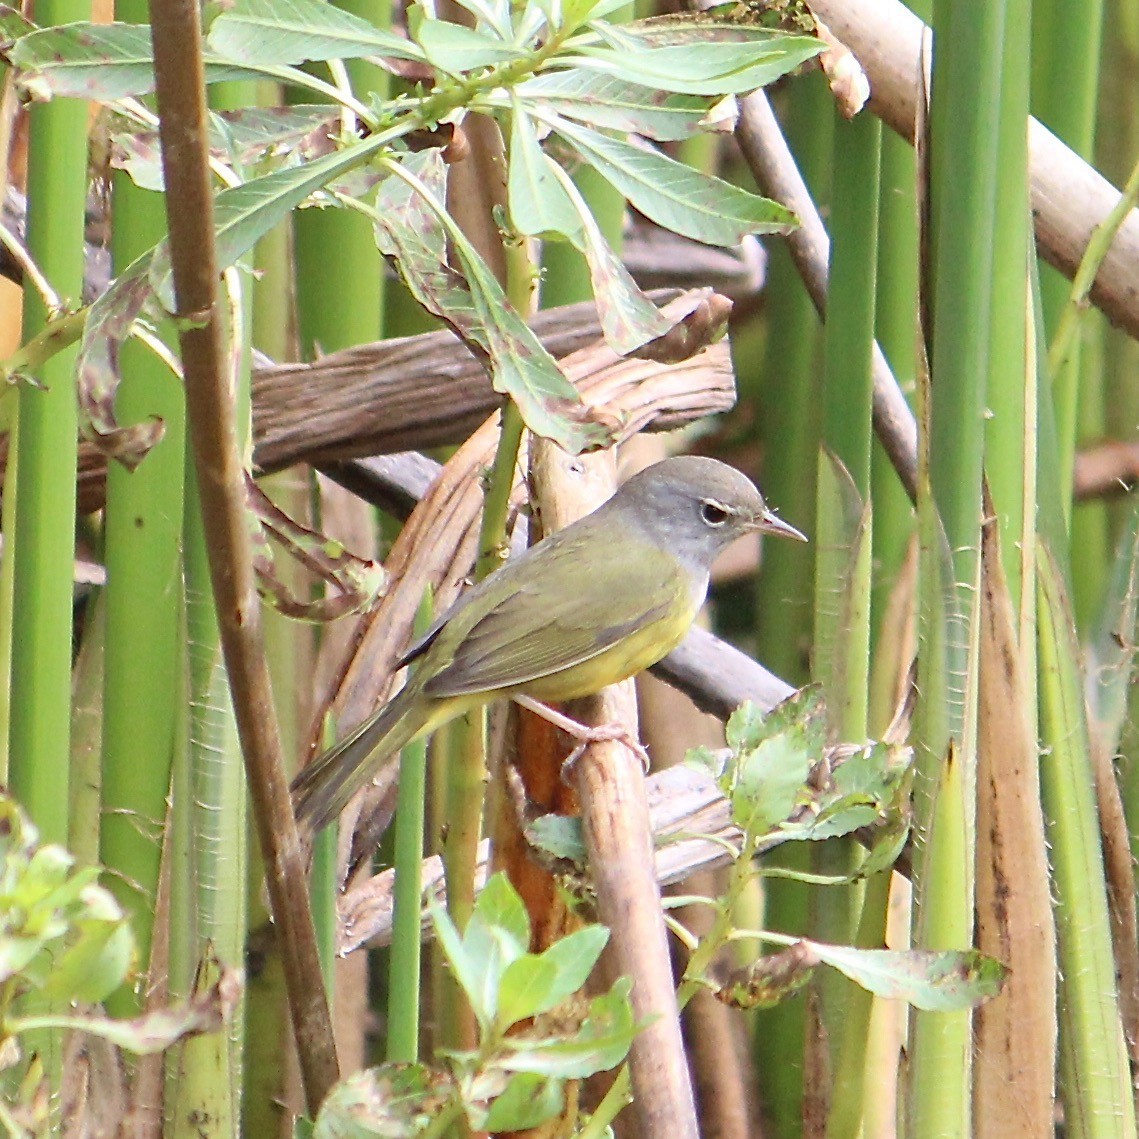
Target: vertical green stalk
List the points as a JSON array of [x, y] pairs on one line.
[[842, 565], [335, 248], [895, 318], [964, 120], [783, 368], [1094, 1070], [1065, 77], [783, 372], [143, 539], [1010, 434], [44, 514], [404, 963], [211, 926], [332, 247]]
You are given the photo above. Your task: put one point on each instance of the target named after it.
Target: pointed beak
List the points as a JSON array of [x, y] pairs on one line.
[[769, 523]]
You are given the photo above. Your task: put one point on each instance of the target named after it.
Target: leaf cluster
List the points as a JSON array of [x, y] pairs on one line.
[[783, 782], [566, 87], [535, 1032], [65, 942]]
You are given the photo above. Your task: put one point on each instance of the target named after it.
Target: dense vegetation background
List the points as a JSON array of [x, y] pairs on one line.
[[957, 438]]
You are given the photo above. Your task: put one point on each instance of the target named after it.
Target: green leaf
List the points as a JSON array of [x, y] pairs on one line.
[[804, 710], [245, 213], [937, 981], [543, 199], [466, 970], [536, 983], [102, 62], [414, 228], [499, 904], [673, 195], [456, 49], [695, 55], [628, 318], [613, 103], [527, 1101], [538, 203], [95, 964], [238, 138], [768, 781], [525, 988], [559, 835], [497, 935], [575, 955], [601, 1043], [273, 32]]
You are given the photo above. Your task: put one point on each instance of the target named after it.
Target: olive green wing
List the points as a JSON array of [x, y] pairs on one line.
[[537, 626]]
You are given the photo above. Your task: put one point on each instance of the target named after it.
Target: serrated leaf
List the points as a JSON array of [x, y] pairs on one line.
[[676, 196], [608, 101], [455, 48], [538, 203], [937, 981], [273, 32], [768, 781], [543, 199], [628, 318], [245, 213]]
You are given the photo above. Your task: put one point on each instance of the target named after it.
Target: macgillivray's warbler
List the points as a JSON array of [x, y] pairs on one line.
[[582, 609]]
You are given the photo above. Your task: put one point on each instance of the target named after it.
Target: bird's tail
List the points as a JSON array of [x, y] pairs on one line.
[[322, 789]]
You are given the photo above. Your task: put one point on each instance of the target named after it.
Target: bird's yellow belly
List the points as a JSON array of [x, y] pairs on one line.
[[635, 652]]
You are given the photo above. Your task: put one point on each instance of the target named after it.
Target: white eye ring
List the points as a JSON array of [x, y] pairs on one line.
[[713, 514]]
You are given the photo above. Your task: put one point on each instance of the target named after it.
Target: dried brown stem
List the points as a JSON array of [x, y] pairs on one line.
[[176, 26], [618, 836]]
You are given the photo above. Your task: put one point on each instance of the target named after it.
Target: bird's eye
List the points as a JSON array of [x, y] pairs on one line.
[[713, 513]]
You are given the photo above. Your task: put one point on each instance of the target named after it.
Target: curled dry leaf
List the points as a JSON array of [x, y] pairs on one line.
[[356, 582], [844, 73], [704, 324]]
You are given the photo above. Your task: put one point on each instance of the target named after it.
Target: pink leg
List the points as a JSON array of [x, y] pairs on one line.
[[584, 733]]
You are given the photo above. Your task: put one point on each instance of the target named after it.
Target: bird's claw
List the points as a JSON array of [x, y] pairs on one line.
[[605, 733]]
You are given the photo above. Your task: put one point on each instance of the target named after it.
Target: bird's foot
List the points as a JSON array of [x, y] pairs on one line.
[[585, 734]]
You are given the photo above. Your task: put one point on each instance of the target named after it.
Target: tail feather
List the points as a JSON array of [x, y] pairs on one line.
[[322, 789]]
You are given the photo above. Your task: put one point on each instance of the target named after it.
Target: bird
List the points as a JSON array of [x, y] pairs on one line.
[[586, 607]]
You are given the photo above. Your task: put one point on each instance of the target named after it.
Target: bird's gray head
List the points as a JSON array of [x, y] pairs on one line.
[[696, 506]]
